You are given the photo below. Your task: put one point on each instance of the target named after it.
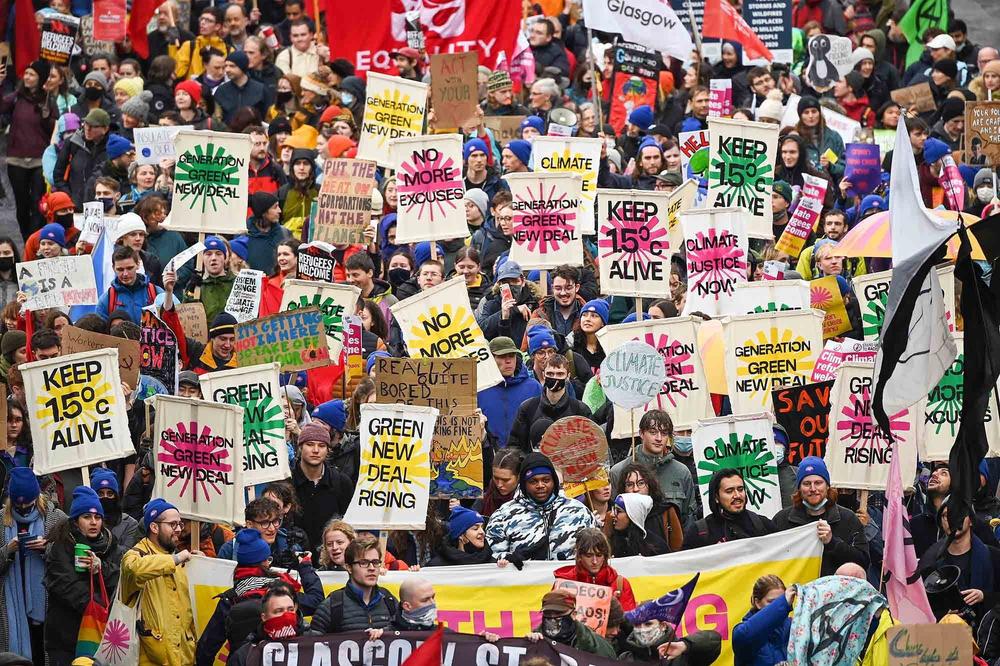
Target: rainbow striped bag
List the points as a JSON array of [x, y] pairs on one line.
[[95, 619]]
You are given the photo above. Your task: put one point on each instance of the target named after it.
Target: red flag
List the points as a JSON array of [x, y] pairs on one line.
[[28, 41], [429, 652], [722, 21], [138, 22]]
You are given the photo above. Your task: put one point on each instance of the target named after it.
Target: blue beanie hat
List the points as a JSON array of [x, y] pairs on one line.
[[422, 252], [630, 317], [521, 150], [240, 247], [648, 142], [215, 243], [474, 145], [540, 337], [85, 500], [690, 125], [872, 201], [598, 306], [641, 117], [103, 478], [373, 358], [154, 509], [332, 413], [934, 149], [250, 547], [811, 466], [53, 232], [533, 121], [461, 520], [117, 146], [23, 486]]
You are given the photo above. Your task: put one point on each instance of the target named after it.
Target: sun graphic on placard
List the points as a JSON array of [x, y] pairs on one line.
[[398, 102], [589, 175], [209, 167], [445, 333], [461, 461], [392, 453], [71, 404], [799, 363], [732, 449], [561, 221], [263, 425], [208, 452], [676, 360], [858, 427], [333, 314], [710, 260], [408, 182], [820, 298], [633, 241], [946, 398]]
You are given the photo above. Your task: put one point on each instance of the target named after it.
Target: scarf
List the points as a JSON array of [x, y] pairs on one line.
[[252, 582], [24, 593], [493, 499], [832, 620]]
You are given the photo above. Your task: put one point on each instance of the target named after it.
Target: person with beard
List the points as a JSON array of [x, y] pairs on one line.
[[535, 415], [500, 403], [654, 640], [466, 542], [123, 527], [729, 519], [649, 163], [592, 554], [834, 226], [559, 625], [69, 587], [500, 96], [280, 619]]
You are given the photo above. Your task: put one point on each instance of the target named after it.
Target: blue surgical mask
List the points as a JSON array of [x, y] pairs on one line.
[[346, 98], [683, 444], [815, 507]]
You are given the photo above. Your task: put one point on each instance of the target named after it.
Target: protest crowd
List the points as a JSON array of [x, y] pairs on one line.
[[669, 324]]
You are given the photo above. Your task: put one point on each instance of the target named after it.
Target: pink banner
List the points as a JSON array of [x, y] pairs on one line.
[[805, 216], [109, 20]]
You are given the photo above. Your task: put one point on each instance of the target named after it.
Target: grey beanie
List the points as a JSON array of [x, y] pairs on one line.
[[138, 106], [96, 76], [615, 158], [983, 177], [480, 198]]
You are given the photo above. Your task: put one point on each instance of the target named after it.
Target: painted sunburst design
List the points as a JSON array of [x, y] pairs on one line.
[[196, 448], [560, 219], [412, 172]]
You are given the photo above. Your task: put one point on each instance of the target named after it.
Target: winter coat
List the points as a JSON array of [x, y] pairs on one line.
[[535, 415], [552, 54], [490, 315], [231, 97], [328, 497], [127, 531], [130, 298], [75, 163], [849, 543], [286, 543], [983, 574], [720, 526], [704, 647], [213, 294], [165, 244], [449, 555], [622, 182], [761, 638], [355, 614], [500, 403], [491, 243], [262, 246], [548, 311], [267, 177], [188, 55], [674, 477], [33, 119], [828, 140], [607, 577]]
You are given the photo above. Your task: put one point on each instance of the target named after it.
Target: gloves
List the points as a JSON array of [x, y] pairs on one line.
[[517, 559]]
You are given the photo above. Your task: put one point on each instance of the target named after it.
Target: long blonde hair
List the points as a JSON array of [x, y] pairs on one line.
[[42, 503], [335, 525]]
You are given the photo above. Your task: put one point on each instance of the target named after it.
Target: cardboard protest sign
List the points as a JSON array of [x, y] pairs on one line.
[[836, 353], [430, 186], [632, 374], [717, 253], [156, 143], [505, 128], [158, 350], [921, 644], [805, 217], [59, 282], [745, 443], [438, 323], [335, 302], [804, 413], [720, 98], [577, 447], [770, 296], [211, 182], [741, 171], [681, 200], [193, 319], [244, 299], [825, 295], [572, 155], [199, 466], [765, 352], [858, 452], [109, 20], [982, 131], [862, 167], [75, 340], [457, 456], [394, 108], [684, 394], [59, 37], [632, 243], [91, 222], [872, 292], [316, 262], [547, 219], [455, 88], [395, 474], [694, 147], [829, 60], [916, 98], [593, 603], [78, 410], [447, 384], [296, 339], [257, 390], [344, 203]]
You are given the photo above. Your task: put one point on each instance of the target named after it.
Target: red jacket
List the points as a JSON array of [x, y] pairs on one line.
[[607, 576], [860, 109]]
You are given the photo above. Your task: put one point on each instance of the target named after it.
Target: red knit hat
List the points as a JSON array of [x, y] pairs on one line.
[[332, 113], [191, 87], [55, 202], [338, 146]]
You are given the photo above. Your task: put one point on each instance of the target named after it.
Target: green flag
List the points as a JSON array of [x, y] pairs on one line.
[[921, 15]]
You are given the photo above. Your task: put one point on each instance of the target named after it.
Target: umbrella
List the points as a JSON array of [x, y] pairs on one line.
[[872, 237]]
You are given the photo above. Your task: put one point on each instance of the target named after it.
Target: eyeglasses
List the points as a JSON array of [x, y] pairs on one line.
[[275, 524], [633, 485], [367, 564], [504, 218], [174, 525]]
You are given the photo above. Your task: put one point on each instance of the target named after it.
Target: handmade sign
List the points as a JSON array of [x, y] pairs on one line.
[[199, 466], [635, 71], [916, 98], [922, 644], [316, 262], [829, 60], [430, 186], [862, 168], [297, 340], [335, 302], [825, 295], [632, 243], [78, 410], [457, 456], [684, 394], [156, 143], [211, 182], [193, 320], [110, 20], [848, 128], [745, 443], [717, 252], [394, 108], [75, 340], [681, 200], [982, 131], [720, 98], [593, 603], [343, 209], [258, 391], [438, 323], [91, 222], [505, 128], [858, 452], [872, 292], [805, 217], [158, 350], [836, 353], [769, 351], [694, 147], [59, 282], [447, 384], [455, 88], [741, 171], [885, 139], [58, 37], [770, 296], [575, 155], [577, 447], [632, 374], [244, 299], [395, 474], [547, 219], [804, 413]]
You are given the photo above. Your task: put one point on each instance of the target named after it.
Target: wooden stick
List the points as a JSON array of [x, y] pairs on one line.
[[863, 500], [434, 252], [195, 535], [86, 474], [543, 279], [598, 86], [383, 543], [638, 309], [631, 414]]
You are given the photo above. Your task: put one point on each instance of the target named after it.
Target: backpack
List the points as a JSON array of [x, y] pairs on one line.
[[336, 600], [113, 296], [241, 620]]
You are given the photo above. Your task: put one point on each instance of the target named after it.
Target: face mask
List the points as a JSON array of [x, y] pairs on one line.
[[327, 131], [555, 385], [108, 204], [683, 444], [647, 636], [110, 506], [24, 510], [6, 263], [346, 98], [985, 194], [815, 507], [65, 220], [93, 94], [282, 626], [398, 276], [284, 96], [515, 290], [559, 629], [425, 616]]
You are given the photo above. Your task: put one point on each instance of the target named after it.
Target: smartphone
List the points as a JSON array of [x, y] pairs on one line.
[[505, 293]]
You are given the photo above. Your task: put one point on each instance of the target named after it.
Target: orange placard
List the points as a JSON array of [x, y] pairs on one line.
[[593, 603]]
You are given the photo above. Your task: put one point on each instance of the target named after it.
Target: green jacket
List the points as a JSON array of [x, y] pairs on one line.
[[214, 293], [675, 481], [589, 641], [829, 140]]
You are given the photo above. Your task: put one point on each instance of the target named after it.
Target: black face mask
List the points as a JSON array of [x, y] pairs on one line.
[[284, 96], [555, 385], [398, 276], [112, 508], [559, 629], [93, 94], [6, 263], [65, 220], [108, 203], [24, 510]]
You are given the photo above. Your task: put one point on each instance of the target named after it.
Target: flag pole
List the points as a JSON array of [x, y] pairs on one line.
[[598, 86], [695, 33]]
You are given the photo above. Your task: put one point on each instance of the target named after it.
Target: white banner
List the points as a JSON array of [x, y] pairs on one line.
[[682, 200], [156, 143], [552, 154], [767, 351], [770, 296], [91, 222], [633, 245], [741, 170], [211, 182], [430, 186], [335, 302], [59, 282], [872, 291], [648, 22], [685, 394], [745, 443], [546, 226], [199, 462], [858, 452], [394, 479], [257, 390], [717, 254], [244, 298], [438, 323], [394, 108], [78, 410]]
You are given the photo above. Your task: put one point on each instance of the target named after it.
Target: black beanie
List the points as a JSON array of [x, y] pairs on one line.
[[261, 202], [808, 103]]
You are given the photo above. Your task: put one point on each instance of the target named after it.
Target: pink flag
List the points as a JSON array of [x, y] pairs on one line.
[[904, 589]]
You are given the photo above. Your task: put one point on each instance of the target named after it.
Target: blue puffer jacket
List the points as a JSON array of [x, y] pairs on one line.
[[761, 639], [499, 403], [132, 298]]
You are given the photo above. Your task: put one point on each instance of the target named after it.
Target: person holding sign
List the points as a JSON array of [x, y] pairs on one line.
[[592, 554], [213, 286], [560, 625], [535, 415], [729, 519]]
